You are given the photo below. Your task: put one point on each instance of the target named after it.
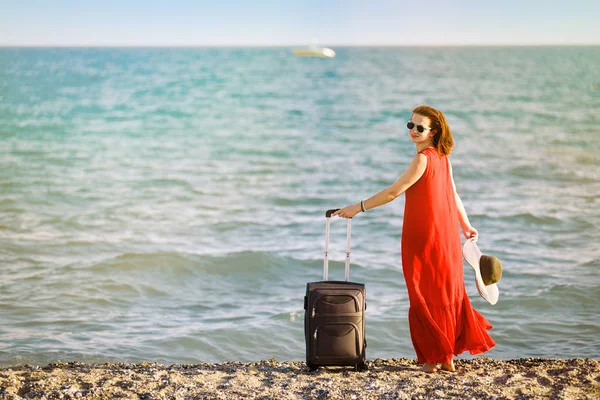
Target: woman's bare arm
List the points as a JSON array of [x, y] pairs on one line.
[[412, 174], [463, 218]]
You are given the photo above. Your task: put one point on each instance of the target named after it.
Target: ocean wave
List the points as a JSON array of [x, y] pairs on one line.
[[181, 264], [527, 218]]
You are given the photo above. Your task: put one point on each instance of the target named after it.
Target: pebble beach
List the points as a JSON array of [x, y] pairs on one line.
[[399, 378]]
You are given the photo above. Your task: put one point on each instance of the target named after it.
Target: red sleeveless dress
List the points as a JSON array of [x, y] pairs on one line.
[[442, 321]]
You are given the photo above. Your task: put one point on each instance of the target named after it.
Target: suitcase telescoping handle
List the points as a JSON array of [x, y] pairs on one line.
[[326, 263]]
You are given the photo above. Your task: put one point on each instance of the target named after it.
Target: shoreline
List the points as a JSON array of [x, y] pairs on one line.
[[397, 378]]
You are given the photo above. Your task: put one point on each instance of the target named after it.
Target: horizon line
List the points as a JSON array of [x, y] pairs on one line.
[[3, 45]]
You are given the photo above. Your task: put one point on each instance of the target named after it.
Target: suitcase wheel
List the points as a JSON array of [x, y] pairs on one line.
[[312, 367], [361, 366]]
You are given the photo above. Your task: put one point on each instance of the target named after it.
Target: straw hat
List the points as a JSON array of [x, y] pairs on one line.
[[488, 271]]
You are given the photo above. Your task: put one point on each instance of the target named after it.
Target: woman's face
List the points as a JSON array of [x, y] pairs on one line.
[[417, 121]]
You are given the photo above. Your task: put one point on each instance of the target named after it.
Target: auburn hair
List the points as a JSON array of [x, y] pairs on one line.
[[442, 139]]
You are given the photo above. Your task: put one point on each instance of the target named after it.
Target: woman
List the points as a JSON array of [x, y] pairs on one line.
[[441, 318]]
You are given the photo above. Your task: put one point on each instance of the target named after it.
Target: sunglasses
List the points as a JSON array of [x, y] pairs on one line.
[[420, 128]]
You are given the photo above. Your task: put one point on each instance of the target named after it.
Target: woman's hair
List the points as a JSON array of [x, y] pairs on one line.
[[442, 140]]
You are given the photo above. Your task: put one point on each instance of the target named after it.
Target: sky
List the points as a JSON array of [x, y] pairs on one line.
[[297, 22]]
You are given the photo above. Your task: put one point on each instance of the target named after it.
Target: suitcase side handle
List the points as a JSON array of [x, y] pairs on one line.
[[349, 231]]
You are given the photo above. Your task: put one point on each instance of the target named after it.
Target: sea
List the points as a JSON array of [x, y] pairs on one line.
[[168, 204]]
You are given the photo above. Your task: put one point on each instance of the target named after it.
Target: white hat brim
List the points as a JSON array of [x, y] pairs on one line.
[[472, 255]]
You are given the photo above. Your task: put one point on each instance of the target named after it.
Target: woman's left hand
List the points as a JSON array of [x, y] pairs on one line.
[[470, 232], [348, 212]]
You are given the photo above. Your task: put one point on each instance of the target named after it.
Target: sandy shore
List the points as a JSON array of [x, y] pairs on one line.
[[481, 378]]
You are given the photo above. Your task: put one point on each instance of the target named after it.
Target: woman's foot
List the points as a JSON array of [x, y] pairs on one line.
[[449, 367], [429, 367]]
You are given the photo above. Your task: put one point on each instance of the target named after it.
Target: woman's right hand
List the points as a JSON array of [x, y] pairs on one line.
[[348, 211]]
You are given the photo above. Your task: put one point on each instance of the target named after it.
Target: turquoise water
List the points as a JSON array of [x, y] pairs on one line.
[[168, 204]]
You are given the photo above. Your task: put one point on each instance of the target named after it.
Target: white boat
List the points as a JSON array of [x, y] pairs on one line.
[[314, 51]]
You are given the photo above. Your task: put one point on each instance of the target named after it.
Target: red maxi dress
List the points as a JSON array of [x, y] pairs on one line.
[[442, 321]]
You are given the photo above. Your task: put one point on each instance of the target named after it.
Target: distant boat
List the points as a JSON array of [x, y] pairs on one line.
[[314, 51]]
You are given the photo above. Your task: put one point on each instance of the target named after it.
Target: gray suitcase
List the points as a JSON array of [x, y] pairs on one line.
[[334, 317]]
